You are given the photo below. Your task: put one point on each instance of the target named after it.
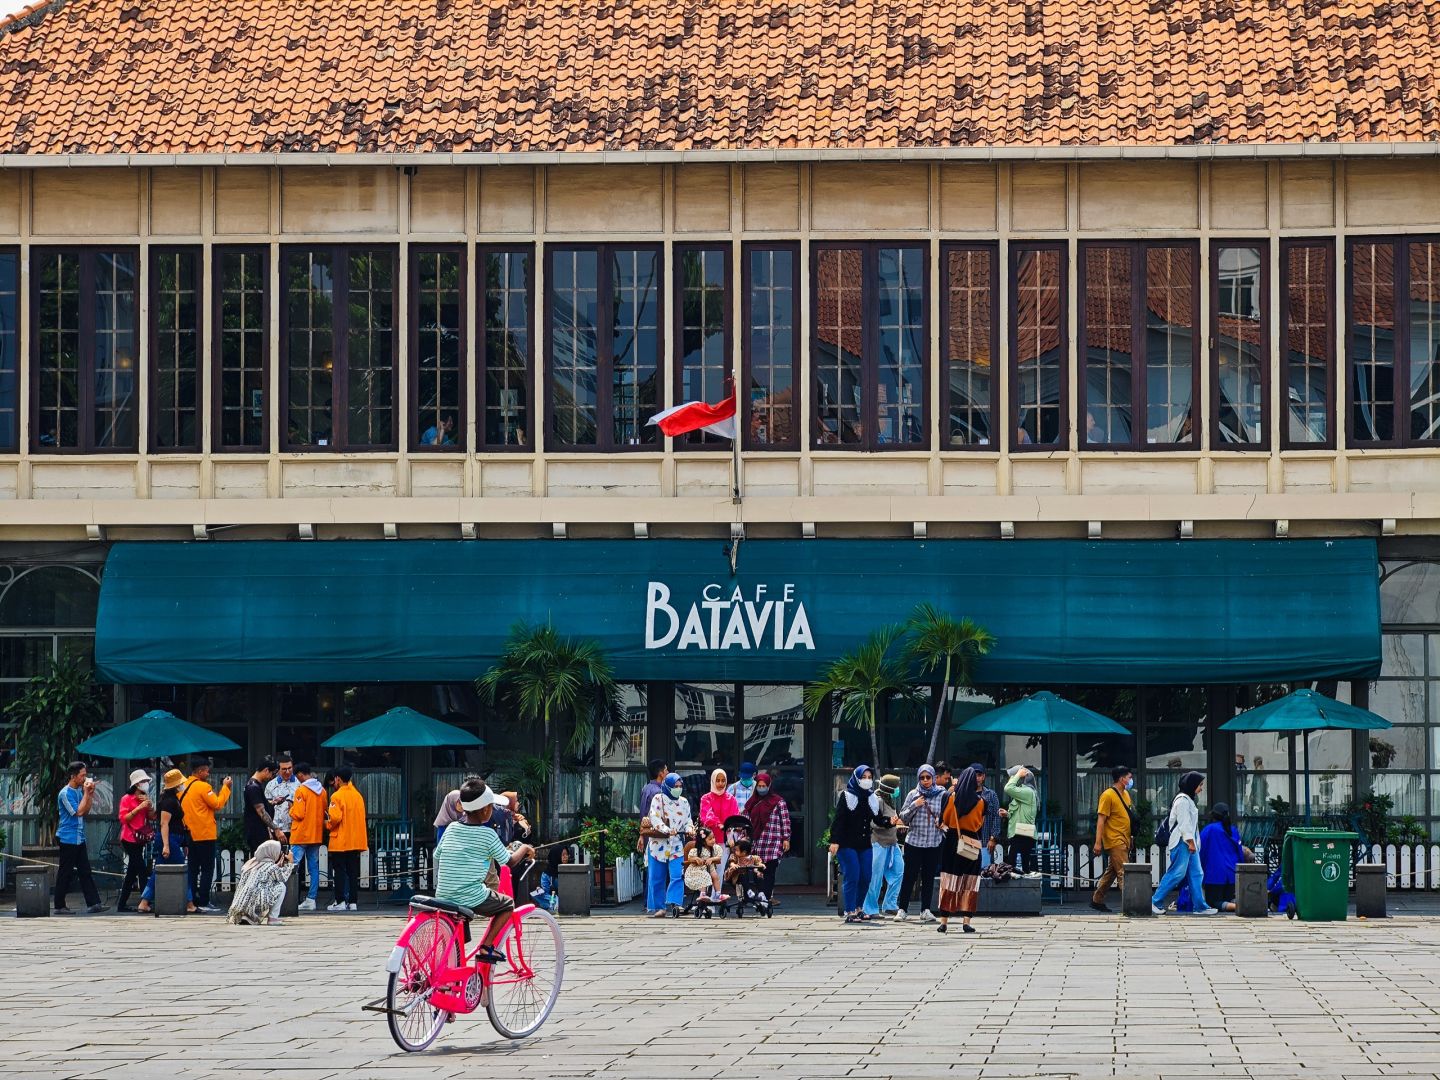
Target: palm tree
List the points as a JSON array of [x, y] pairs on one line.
[[550, 678], [938, 640], [860, 680]]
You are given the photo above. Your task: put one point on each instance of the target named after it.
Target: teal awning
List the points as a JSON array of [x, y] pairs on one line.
[[1071, 612]]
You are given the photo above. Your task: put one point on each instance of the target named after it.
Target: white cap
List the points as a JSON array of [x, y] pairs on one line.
[[489, 797]]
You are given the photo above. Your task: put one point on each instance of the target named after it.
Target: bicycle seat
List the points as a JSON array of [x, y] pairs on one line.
[[429, 903]]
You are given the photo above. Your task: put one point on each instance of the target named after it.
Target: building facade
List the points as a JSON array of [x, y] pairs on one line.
[[949, 338]]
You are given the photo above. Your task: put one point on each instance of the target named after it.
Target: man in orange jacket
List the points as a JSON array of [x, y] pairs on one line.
[[346, 822], [198, 803], [307, 828]]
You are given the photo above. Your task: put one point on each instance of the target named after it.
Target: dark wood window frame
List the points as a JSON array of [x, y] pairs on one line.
[[152, 346], [1283, 390], [86, 327], [1400, 377], [217, 358], [412, 341], [339, 389], [12, 445], [604, 359], [1212, 351], [992, 249], [1018, 248], [746, 358], [1139, 356], [697, 440], [482, 254], [869, 411]]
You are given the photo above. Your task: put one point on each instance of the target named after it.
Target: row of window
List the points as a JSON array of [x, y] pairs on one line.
[[341, 311]]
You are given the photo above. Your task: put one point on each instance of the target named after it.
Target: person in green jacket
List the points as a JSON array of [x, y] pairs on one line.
[[1020, 825]]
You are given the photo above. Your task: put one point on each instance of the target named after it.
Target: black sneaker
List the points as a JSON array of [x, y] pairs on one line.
[[96, 909], [1095, 905], [63, 911]]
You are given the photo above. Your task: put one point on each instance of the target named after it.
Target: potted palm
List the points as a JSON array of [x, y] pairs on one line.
[[939, 642], [859, 681]]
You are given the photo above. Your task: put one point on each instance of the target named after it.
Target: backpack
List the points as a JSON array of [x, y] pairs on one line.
[[1162, 832]]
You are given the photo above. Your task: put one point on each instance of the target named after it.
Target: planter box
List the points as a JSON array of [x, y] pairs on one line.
[[1017, 896]]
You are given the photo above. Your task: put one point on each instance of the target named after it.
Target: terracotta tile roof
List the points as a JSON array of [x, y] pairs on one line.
[[108, 76]]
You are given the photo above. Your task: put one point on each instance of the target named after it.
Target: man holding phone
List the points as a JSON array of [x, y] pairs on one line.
[[280, 794], [74, 799]]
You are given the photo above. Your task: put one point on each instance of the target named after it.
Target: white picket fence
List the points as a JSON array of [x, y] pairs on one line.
[[629, 881]]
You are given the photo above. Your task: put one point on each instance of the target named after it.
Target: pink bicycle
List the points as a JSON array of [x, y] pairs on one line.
[[433, 976]]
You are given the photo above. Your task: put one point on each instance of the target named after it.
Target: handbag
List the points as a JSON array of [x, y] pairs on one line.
[[1026, 829], [967, 847]]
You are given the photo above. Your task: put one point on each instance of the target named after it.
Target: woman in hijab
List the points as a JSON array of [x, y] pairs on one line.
[[769, 828], [1221, 850], [1184, 849], [669, 822], [920, 811], [856, 809], [1020, 824], [716, 806], [261, 889], [963, 818]]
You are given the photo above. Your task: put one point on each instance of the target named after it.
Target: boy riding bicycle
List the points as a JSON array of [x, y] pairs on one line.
[[467, 865]]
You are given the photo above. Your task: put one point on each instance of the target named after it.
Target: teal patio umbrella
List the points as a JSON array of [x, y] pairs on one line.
[[403, 727], [157, 734], [1305, 711], [1043, 713]]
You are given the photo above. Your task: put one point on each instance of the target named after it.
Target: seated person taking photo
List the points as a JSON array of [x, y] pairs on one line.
[[467, 865]]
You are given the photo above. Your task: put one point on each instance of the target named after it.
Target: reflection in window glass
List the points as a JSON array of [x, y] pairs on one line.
[[1239, 364], [1399, 701], [9, 351], [1410, 594], [439, 347], [839, 345], [622, 741], [772, 351], [1402, 656], [310, 356], [57, 351], [241, 344], [635, 346], [1423, 331], [175, 348], [1306, 335], [1398, 748], [774, 726], [704, 734], [1407, 789], [116, 347], [969, 297], [574, 332], [507, 349], [370, 349], [1039, 344], [1109, 346], [900, 362], [1372, 342], [703, 291], [1169, 344]]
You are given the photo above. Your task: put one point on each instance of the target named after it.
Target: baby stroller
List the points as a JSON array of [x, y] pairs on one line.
[[704, 904], [747, 884]]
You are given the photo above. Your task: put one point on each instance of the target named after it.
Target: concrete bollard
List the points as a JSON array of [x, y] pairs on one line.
[[1252, 899], [169, 889], [290, 906], [1370, 885], [1136, 889], [573, 889], [32, 898]]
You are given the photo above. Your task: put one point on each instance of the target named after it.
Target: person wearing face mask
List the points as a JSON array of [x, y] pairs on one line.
[[920, 811], [137, 830], [669, 822], [1020, 824], [1112, 833], [716, 806], [769, 816], [857, 808], [1184, 849], [744, 788]]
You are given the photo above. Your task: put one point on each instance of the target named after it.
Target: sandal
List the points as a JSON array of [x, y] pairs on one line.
[[852, 918], [488, 954]]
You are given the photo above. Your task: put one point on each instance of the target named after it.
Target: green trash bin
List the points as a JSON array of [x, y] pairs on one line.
[[1315, 866]]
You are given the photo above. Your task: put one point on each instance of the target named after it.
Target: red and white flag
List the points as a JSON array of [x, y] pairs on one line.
[[717, 419]]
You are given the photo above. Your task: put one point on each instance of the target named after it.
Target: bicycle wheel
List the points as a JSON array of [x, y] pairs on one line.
[[522, 992], [414, 1022]]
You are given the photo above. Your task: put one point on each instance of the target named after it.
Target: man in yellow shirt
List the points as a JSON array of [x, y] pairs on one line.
[[1112, 832], [198, 802]]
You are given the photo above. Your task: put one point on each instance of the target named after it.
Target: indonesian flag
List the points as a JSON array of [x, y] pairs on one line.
[[717, 419]]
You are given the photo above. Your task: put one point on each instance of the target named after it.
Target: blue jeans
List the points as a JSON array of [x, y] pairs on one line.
[[1184, 867], [309, 854], [887, 869], [177, 856], [656, 877], [854, 877]]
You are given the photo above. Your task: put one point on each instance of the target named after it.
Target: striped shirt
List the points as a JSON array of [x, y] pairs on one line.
[[742, 794], [462, 859]]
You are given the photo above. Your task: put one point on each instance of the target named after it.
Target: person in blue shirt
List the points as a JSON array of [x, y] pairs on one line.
[[439, 433], [74, 801], [1220, 852]]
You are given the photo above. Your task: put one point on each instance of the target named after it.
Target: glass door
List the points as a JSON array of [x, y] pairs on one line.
[[774, 739]]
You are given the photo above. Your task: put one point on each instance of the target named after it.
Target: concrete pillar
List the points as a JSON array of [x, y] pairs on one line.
[[1136, 890], [1252, 901], [1370, 884]]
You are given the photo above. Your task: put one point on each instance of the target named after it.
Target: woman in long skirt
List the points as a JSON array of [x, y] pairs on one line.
[[261, 889], [962, 819]]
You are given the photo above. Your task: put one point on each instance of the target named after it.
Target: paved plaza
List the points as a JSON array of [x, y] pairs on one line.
[[794, 997]]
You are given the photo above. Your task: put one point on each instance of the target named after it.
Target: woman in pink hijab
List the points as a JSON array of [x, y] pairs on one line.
[[716, 805]]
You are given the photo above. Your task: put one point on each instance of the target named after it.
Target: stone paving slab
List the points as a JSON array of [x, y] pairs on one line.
[[798, 997]]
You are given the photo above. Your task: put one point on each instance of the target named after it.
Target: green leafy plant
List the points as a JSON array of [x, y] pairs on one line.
[[1371, 813], [1143, 830], [549, 678], [60, 708], [1408, 831], [231, 837], [621, 836], [1382, 753], [858, 681], [939, 642], [524, 774]]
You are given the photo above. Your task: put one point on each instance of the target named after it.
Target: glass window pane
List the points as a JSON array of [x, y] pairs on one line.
[[1169, 344], [175, 348], [1255, 790], [900, 361], [1307, 331], [1109, 346], [634, 346], [116, 347], [703, 293], [439, 347], [1399, 701], [970, 334], [9, 351], [574, 345], [57, 349], [704, 735], [370, 348], [242, 344], [1410, 594], [1406, 789], [839, 346], [1402, 656], [310, 346], [1039, 344], [622, 742], [1330, 751], [1372, 342], [771, 341], [774, 726], [507, 348], [1399, 748], [1424, 332], [1240, 372]]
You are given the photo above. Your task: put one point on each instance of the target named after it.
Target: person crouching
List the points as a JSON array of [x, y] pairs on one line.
[[261, 889]]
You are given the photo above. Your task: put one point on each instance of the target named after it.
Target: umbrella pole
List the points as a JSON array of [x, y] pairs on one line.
[[1305, 738]]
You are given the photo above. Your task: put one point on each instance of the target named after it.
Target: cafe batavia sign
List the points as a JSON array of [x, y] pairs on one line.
[[728, 616]]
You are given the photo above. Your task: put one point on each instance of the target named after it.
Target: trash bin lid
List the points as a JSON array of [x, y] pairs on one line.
[[1322, 834]]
